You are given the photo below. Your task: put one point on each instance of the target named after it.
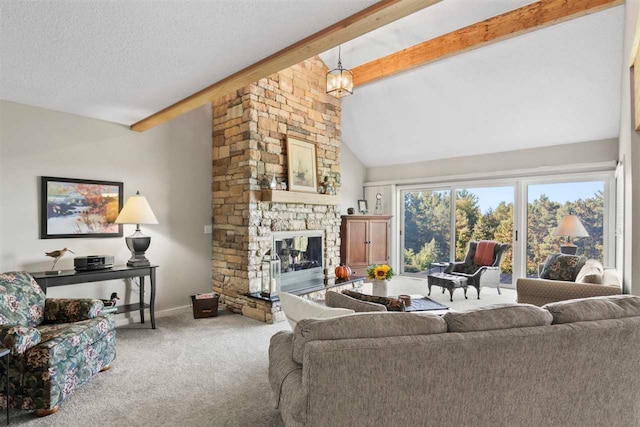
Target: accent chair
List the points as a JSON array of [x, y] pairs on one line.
[[56, 344]]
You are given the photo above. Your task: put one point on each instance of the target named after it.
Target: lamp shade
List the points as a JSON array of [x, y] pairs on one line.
[[571, 226], [136, 211]]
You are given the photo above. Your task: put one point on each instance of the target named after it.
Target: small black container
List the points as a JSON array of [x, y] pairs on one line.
[[204, 307]]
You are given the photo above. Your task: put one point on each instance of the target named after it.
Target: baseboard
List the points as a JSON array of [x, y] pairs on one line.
[[134, 316]]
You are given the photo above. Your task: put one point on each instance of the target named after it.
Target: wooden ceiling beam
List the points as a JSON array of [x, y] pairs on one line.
[[535, 16], [369, 19]]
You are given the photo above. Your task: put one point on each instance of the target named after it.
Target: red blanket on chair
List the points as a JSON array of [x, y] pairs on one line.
[[484, 253]]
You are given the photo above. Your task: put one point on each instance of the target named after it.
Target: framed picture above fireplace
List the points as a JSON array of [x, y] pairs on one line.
[[72, 208], [301, 166]]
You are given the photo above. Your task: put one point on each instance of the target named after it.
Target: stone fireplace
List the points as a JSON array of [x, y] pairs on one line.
[[250, 129]]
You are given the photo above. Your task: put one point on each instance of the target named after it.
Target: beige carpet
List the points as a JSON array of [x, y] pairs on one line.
[[206, 372]]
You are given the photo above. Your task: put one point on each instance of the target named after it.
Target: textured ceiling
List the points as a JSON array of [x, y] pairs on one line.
[[552, 86], [122, 60]]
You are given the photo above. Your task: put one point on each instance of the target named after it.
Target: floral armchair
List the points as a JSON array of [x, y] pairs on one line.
[[483, 274], [56, 344]]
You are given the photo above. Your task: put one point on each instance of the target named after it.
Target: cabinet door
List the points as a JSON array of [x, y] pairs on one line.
[[379, 242], [357, 247]]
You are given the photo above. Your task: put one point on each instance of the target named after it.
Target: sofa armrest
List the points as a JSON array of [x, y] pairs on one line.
[[281, 364], [540, 291], [64, 310], [19, 338]]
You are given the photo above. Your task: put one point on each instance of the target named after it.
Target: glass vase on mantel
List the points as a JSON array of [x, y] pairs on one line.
[[380, 288]]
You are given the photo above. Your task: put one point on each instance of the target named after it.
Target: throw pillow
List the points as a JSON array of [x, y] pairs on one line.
[[562, 267], [591, 272], [336, 300], [392, 304], [296, 308]]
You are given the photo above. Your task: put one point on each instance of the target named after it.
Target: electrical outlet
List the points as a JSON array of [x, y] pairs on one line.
[[208, 229]]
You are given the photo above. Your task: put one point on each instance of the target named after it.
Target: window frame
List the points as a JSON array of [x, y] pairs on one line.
[[520, 211]]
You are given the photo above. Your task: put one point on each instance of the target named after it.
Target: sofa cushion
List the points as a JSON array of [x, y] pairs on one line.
[[596, 308], [392, 304], [611, 277], [60, 341], [499, 316], [562, 267], [337, 300], [296, 308], [591, 272], [364, 325], [22, 300]]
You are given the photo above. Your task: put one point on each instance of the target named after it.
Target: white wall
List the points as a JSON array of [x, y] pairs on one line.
[[170, 165], [352, 172], [630, 156], [497, 163]]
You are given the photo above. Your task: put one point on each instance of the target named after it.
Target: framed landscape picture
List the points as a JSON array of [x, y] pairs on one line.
[[301, 165], [75, 208]]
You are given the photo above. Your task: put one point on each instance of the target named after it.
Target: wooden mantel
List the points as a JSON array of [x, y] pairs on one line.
[[278, 196]]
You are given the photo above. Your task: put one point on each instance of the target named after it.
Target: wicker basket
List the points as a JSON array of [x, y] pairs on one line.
[[204, 307]]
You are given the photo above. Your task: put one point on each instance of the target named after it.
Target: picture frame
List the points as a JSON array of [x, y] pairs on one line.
[[302, 166], [362, 206], [72, 208]]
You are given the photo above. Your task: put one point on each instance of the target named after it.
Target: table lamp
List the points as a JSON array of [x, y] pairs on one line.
[[570, 226], [137, 211]]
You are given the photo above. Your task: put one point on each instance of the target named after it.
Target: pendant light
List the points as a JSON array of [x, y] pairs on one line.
[[339, 80]]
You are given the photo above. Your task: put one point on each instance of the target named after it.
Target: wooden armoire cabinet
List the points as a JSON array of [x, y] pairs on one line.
[[364, 240]]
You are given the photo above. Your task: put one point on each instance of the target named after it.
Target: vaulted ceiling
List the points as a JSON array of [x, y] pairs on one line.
[[557, 85], [124, 60]]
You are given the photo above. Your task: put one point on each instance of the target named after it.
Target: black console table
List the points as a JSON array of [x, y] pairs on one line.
[[72, 277]]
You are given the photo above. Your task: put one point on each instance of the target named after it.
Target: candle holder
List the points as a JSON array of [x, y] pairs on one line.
[[271, 272]]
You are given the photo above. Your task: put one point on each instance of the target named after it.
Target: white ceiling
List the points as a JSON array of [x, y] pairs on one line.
[[122, 60], [553, 86]]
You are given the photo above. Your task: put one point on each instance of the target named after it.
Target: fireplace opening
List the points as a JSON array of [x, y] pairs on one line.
[[302, 260]]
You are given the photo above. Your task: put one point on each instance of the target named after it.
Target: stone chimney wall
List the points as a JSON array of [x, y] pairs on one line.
[[249, 142]]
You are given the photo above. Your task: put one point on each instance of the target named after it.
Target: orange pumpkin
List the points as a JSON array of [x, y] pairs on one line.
[[343, 272]]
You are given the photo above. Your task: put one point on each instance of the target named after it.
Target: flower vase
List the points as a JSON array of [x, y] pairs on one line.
[[379, 288]]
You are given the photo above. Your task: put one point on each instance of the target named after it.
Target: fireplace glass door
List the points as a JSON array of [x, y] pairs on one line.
[[301, 257]]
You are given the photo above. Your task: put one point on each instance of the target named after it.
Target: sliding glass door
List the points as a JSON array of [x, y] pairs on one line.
[[435, 230], [438, 223], [549, 203], [486, 213], [427, 229]]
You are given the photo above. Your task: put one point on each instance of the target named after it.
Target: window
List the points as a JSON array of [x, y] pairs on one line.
[[427, 229], [438, 223], [486, 213], [548, 204]]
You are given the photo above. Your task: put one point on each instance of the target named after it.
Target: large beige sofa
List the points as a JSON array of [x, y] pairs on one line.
[[572, 363]]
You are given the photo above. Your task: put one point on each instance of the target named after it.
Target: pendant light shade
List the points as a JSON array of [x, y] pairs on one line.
[[339, 80]]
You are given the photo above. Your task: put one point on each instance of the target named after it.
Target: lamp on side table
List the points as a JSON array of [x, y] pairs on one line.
[[570, 226], [137, 211]]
